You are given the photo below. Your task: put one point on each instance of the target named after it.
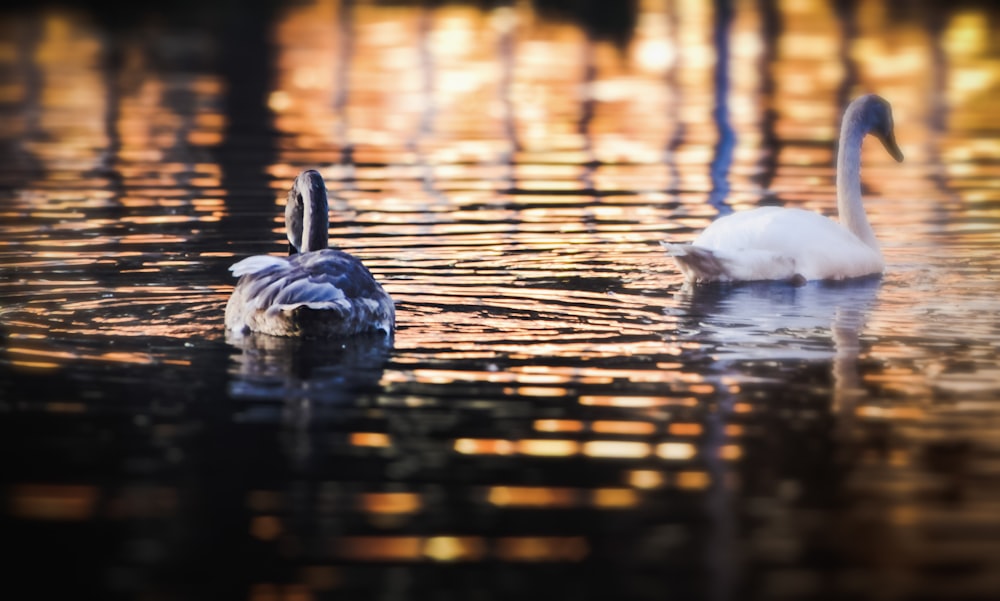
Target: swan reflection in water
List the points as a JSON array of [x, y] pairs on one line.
[[304, 383], [774, 321], [766, 335]]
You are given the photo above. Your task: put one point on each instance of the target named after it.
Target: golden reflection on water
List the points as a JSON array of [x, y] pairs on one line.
[[450, 548], [53, 502], [508, 178], [74, 220]]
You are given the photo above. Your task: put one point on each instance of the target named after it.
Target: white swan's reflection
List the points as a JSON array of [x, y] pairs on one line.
[[788, 325], [767, 330], [777, 321]]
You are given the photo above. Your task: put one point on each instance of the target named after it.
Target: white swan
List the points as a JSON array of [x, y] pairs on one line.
[[316, 292], [774, 243]]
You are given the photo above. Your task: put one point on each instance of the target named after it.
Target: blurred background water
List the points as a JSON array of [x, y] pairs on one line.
[[557, 415]]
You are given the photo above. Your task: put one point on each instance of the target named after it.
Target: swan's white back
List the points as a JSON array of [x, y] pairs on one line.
[[774, 243]]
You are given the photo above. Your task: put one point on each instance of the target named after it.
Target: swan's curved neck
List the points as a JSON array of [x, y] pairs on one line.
[[849, 205], [307, 218], [315, 222]]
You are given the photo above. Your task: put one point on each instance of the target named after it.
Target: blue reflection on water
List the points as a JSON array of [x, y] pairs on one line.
[[776, 320], [723, 157]]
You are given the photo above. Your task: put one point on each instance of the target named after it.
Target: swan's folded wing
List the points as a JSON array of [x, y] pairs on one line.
[[257, 264], [748, 265], [338, 270], [768, 241], [325, 291], [328, 280], [314, 293]]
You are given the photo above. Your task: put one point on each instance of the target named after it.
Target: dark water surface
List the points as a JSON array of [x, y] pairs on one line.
[[557, 416]]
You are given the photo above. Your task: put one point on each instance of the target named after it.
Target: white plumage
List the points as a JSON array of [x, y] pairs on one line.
[[255, 264], [774, 243]]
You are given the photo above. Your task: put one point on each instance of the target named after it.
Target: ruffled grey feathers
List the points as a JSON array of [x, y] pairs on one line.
[[317, 293]]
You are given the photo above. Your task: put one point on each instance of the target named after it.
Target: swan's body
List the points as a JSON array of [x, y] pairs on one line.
[[774, 243], [316, 292]]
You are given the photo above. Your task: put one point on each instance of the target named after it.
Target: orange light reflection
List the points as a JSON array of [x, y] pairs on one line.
[[390, 502], [53, 502]]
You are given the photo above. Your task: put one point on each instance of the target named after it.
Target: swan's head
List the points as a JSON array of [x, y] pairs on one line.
[[307, 219], [875, 115]]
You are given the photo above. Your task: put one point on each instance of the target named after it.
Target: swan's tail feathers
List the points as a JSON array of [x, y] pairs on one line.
[[674, 250], [696, 263], [326, 319]]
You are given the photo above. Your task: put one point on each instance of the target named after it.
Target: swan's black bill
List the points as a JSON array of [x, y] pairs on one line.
[[889, 141]]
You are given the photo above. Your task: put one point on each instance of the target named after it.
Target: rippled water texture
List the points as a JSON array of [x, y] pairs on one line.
[[557, 416]]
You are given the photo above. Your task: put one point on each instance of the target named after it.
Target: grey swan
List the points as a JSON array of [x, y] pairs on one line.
[[315, 292]]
